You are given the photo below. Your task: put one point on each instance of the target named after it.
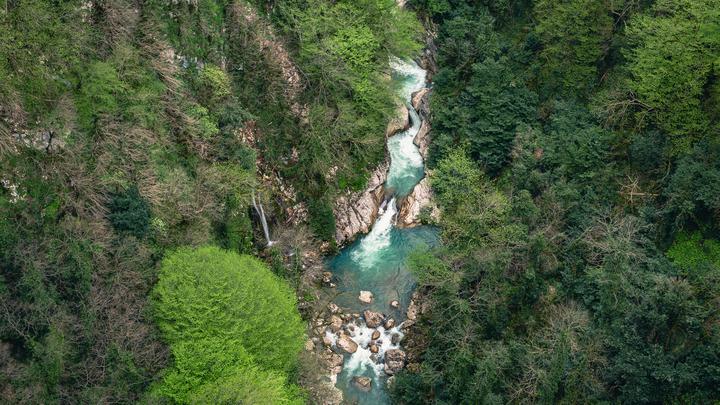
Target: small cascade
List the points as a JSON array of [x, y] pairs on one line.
[[368, 252], [261, 213]]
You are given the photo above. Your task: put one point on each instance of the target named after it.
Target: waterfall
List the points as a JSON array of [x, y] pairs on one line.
[[261, 213]]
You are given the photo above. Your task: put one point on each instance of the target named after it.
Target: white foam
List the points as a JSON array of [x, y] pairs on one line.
[[363, 359], [410, 69], [378, 239]]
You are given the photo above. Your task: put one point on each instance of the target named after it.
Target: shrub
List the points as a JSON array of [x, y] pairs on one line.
[[322, 219], [214, 83], [129, 212]]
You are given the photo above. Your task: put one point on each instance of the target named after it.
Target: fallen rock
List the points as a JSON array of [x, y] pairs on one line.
[[401, 121], [347, 344], [363, 383], [394, 361], [390, 323], [366, 297], [327, 341], [375, 335], [334, 309], [335, 323], [309, 345], [335, 362], [326, 277], [373, 319]]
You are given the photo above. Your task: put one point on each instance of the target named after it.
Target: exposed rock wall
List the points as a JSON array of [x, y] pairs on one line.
[[355, 212], [412, 205], [421, 196]]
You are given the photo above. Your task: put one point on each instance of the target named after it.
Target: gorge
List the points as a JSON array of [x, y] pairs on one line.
[[376, 263]]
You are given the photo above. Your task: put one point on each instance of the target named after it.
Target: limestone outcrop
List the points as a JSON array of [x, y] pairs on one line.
[[412, 205], [355, 212]]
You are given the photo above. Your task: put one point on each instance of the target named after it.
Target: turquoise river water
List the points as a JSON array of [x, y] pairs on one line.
[[376, 262]]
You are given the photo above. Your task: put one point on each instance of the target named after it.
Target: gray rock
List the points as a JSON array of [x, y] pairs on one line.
[[335, 323], [373, 319], [355, 212], [413, 204], [347, 344], [362, 383], [401, 121], [366, 297]]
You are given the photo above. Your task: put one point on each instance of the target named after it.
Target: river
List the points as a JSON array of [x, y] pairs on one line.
[[376, 262]]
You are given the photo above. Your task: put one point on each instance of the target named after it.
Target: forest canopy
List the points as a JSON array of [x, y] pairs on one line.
[[574, 157]]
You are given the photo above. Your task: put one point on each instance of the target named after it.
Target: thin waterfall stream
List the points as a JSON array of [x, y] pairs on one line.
[[263, 220], [376, 262]]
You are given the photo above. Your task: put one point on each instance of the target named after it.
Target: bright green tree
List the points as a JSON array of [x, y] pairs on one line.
[[229, 322]]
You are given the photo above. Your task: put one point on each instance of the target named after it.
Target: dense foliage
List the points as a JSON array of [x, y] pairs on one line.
[[575, 160], [128, 129], [228, 320]]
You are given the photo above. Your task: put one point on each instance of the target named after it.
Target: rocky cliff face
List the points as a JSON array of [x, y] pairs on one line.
[[421, 196], [355, 212]]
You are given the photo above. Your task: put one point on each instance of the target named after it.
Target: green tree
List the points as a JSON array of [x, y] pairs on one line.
[[228, 321], [575, 36], [675, 48]]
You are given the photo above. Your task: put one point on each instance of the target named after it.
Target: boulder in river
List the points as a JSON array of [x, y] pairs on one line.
[[363, 383], [401, 121], [395, 304], [366, 297], [335, 323], [420, 100], [375, 335], [347, 344], [390, 323], [334, 362], [394, 361], [327, 341], [334, 309], [395, 338], [373, 319], [373, 348]]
